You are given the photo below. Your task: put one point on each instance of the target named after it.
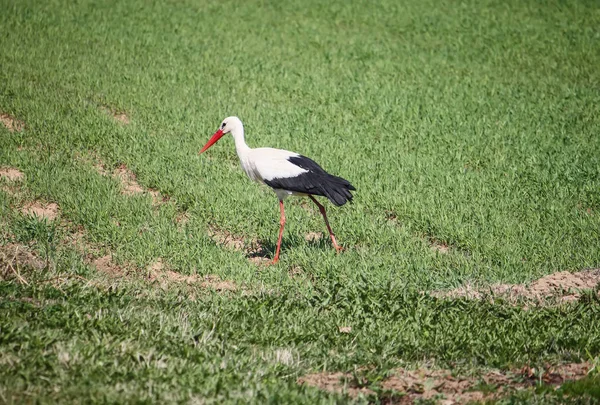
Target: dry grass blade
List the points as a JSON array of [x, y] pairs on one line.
[[15, 271]]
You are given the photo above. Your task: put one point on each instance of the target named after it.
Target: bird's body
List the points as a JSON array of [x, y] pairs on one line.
[[287, 173]]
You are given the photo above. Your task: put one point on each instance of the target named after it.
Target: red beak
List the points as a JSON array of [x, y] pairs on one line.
[[216, 136]]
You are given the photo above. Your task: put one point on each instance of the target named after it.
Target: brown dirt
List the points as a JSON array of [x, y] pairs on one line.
[[555, 374], [11, 123], [13, 256], [295, 271], [252, 248], [562, 286], [226, 238], [157, 266], [439, 247], [586, 209], [446, 388], [100, 167], [41, 210], [259, 260], [10, 189], [106, 265], [92, 158], [132, 187], [215, 283], [127, 177], [157, 271], [11, 174], [333, 382], [77, 240], [182, 218], [119, 116], [431, 384]]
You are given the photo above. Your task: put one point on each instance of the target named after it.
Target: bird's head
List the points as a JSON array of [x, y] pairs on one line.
[[229, 124]]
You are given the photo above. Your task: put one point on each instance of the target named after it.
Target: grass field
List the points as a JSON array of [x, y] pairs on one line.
[[470, 129]]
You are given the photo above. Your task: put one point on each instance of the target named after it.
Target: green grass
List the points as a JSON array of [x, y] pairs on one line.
[[473, 123]]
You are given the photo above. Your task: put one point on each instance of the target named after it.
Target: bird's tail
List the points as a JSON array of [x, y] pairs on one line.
[[337, 190]]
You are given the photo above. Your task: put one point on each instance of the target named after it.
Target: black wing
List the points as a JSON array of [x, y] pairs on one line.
[[315, 181]]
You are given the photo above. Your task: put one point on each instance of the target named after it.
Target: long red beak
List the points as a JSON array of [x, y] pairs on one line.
[[216, 136]]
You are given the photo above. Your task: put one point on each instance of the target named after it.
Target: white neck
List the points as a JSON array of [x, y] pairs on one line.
[[240, 144]]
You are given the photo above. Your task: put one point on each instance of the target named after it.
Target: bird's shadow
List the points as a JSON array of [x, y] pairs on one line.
[[266, 248]]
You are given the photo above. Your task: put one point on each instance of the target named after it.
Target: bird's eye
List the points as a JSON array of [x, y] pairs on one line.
[[223, 126]]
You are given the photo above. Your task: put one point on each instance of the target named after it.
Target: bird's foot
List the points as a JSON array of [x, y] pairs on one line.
[[338, 249]]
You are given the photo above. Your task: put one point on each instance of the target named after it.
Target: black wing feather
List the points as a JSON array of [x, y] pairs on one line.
[[315, 181]]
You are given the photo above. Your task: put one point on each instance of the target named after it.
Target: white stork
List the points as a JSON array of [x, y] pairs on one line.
[[287, 173]]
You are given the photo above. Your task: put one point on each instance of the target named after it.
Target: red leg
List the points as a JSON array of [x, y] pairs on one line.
[[282, 223], [337, 247]]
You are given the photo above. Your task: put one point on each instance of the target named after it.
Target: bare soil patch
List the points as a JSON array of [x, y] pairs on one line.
[[215, 283], [561, 286], [14, 255], [14, 258], [128, 178], [182, 218], [391, 217], [259, 260], [106, 265], [254, 251], [443, 386], [92, 158], [295, 271], [119, 116], [41, 210], [555, 374], [157, 271], [432, 384], [439, 247], [584, 208], [226, 238], [11, 174], [132, 187], [11, 123], [334, 382], [211, 281]]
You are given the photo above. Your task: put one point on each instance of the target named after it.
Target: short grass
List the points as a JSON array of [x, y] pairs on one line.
[[472, 124]]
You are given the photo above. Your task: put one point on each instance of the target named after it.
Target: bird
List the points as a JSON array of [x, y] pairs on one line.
[[287, 173]]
